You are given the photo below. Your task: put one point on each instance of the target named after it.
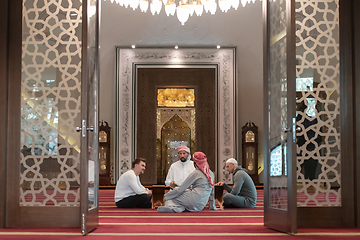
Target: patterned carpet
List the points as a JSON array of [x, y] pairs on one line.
[[148, 224]]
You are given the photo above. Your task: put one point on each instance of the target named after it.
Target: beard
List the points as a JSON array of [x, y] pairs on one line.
[[183, 159]]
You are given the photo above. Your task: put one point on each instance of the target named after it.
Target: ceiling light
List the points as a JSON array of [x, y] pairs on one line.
[[183, 8]]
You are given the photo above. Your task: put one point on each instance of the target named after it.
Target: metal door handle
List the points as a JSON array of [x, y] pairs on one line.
[[78, 129], [286, 130], [83, 128]]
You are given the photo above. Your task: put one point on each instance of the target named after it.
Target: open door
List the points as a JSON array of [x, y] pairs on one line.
[[279, 115], [90, 110]]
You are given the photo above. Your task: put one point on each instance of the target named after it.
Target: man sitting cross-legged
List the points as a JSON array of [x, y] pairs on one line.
[[194, 193], [243, 192]]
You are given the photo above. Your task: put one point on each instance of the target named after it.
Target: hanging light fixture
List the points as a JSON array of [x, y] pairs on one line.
[[198, 8], [170, 7], [155, 7], [225, 5], [144, 5], [182, 12], [183, 8]]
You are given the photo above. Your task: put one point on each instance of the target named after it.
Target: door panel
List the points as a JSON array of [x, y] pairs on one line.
[[90, 122], [43, 116], [45, 80], [325, 155], [45, 174], [279, 95]]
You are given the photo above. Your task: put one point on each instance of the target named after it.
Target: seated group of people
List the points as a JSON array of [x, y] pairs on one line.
[[191, 183]]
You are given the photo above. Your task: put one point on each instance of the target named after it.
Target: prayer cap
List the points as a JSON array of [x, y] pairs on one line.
[[232, 160]]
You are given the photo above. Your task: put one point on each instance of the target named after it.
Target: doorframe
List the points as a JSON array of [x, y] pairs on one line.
[[4, 43], [356, 98], [126, 61], [146, 144], [13, 102]]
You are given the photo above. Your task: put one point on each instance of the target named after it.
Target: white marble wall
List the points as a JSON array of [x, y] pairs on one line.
[[241, 28]]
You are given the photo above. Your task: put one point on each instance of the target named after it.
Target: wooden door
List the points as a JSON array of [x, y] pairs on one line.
[[279, 117], [45, 103], [89, 191]]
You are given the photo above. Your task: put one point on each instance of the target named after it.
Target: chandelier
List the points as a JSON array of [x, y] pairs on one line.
[[183, 8]]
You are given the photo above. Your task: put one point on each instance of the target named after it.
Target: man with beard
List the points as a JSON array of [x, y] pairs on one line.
[[243, 192], [181, 169], [195, 192]]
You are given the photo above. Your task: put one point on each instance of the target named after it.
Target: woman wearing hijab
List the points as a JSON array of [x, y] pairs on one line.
[[194, 193]]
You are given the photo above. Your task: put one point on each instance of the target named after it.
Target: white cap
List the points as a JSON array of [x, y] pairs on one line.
[[232, 160]]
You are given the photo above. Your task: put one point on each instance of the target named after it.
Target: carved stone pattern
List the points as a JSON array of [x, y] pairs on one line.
[[125, 165], [318, 49], [226, 101], [50, 103], [125, 100]]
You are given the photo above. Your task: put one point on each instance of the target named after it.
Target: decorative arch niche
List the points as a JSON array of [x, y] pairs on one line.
[[174, 132], [128, 61]]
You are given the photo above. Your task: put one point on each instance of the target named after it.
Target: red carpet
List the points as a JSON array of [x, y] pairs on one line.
[[148, 224]]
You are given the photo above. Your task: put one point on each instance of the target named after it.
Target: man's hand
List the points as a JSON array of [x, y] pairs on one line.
[[149, 192], [173, 184], [219, 184]]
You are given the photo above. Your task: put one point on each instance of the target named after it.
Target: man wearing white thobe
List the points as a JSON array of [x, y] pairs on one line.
[[181, 169]]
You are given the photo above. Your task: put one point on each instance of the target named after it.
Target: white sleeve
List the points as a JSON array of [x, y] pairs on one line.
[[133, 184], [170, 176]]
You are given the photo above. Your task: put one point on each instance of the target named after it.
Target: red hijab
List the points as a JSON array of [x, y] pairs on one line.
[[201, 161]]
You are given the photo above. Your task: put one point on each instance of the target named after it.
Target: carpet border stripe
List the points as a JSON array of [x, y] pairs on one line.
[[177, 234]]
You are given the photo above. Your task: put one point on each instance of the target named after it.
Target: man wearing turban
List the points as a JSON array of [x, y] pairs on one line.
[[194, 193], [243, 192], [181, 169]]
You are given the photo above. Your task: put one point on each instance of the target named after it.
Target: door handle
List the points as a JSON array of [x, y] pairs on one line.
[[83, 128], [293, 129], [286, 130]]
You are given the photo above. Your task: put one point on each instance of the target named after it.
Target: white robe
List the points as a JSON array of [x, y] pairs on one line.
[[179, 171], [193, 194]]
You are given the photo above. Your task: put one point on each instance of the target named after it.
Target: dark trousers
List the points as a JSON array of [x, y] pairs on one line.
[[136, 201]]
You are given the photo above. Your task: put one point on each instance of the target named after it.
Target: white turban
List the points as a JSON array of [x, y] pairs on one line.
[[232, 160]]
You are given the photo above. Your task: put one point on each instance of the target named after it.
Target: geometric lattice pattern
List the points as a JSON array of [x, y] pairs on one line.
[[277, 107], [50, 104], [318, 141], [276, 162]]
